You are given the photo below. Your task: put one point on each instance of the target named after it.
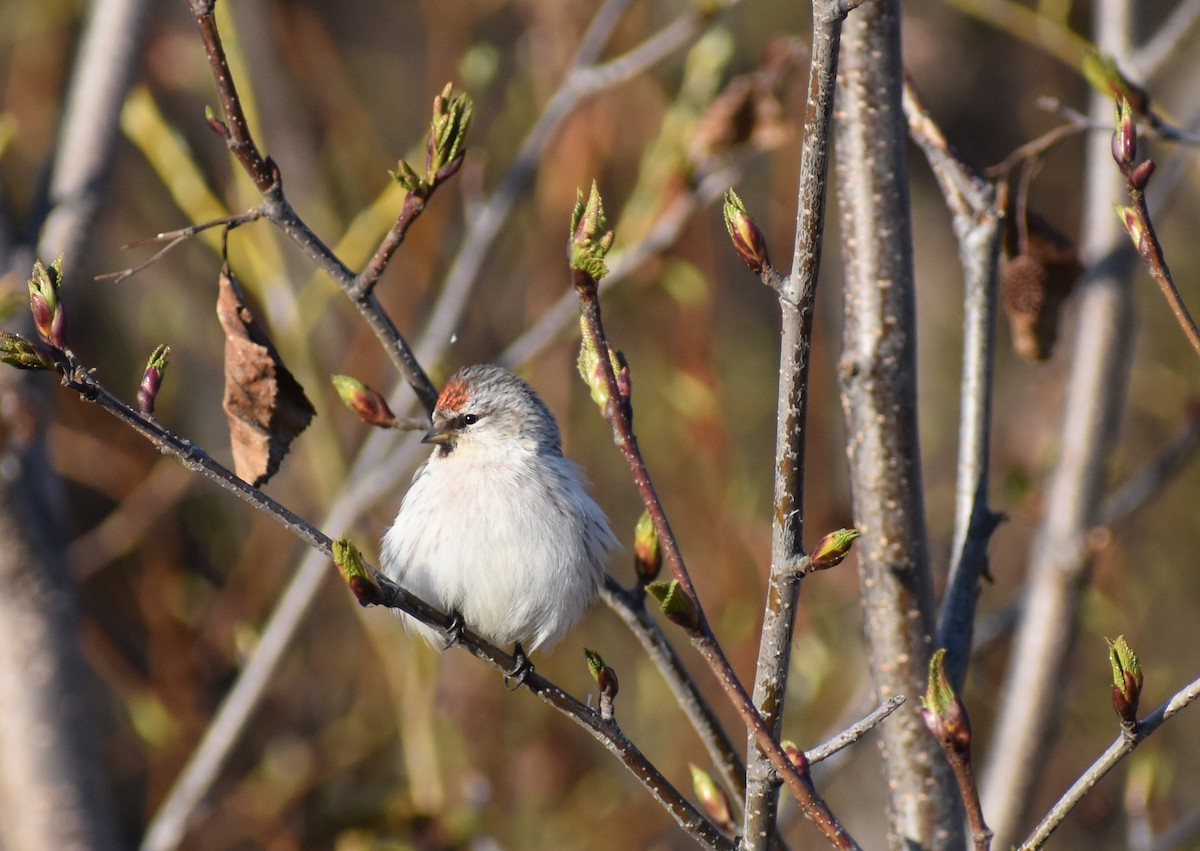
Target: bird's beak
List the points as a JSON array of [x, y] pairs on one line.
[[439, 434]]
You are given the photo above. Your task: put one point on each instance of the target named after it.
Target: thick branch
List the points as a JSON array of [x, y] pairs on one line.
[[878, 378]]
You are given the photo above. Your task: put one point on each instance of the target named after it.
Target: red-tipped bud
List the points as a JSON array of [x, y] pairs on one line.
[[748, 240], [368, 404], [1127, 680], [350, 565], [22, 353], [152, 378], [48, 315], [675, 604], [713, 798], [606, 682], [1132, 225], [1140, 175], [647, 551], [832, 549], [943, 711], [795, 756]]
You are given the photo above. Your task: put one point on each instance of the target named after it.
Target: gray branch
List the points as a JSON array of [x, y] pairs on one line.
[[1031, 698], [879, 397], [797, 298]]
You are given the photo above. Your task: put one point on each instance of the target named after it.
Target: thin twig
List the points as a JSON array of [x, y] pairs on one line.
[[236, 133], [978, 218], [564, 313], [584, 80], [1137, 223], [618, 413], [797, 300], [629, 605], [855, 731], [176, 237], [1117, 751], [1032, 694]]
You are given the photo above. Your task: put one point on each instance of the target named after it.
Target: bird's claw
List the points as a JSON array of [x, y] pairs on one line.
[[521, 669], [454, 630]]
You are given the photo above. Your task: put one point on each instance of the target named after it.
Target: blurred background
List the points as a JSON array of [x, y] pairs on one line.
[[366, 738]]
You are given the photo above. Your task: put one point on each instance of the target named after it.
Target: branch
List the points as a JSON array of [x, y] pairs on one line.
[[855, 731], [797, 299], [269, 182], [978, 216], [1031, 697], [584, 80], [170, 822], [629, 605], [1136, 219], [380, 463], [1117, 751], [877, 373], [590, 242]]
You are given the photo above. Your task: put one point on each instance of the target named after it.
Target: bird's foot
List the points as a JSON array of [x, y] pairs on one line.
[[521, 668], [454, 630]]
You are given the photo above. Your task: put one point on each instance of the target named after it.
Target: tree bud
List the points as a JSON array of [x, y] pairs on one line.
[[368, 404], [748, 240], [152, 378], [712, 798], [647, 551], [1127, 680], [832, 549]]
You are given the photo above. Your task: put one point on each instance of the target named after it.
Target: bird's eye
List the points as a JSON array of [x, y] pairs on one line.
[[470, 419]]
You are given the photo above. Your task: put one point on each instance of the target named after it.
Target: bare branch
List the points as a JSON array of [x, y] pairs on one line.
[[1031, 696], [236, 133], [688, 612], [797, 294], [630, 607], [877, 373], [1117, 751], [978, 215], [854, 732]]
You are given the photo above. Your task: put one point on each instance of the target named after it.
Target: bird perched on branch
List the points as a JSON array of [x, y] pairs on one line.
[[497, 527]]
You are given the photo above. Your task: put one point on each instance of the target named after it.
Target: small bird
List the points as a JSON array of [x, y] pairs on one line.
[[497, 527]]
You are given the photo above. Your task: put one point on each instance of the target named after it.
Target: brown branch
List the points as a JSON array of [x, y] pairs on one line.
[[269, 182], [176, 237], [80, 379], [1136, 220], [629, 605], [618, 413]]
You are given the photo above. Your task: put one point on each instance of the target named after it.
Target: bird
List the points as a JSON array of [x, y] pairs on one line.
[[497, 528]]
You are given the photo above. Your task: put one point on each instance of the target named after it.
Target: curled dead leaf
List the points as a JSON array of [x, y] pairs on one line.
[[264, 403]]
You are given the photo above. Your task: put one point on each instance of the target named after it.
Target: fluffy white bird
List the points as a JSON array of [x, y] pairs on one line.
[[497, 526]]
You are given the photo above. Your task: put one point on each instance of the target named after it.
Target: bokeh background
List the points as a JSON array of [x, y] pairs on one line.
[[366, 738]]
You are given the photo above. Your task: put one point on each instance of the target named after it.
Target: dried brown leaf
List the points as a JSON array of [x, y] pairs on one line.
[[265, 404]]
